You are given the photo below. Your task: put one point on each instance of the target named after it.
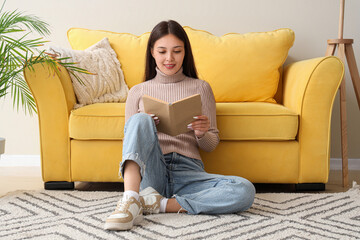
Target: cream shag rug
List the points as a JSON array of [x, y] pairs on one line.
[[81, 215]]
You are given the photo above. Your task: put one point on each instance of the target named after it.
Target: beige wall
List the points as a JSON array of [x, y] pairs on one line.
[[314, 21]]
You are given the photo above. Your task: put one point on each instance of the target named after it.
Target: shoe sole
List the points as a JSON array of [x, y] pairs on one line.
[[123, 226]]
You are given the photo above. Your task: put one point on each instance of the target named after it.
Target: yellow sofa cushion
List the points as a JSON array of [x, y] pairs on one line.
[[236, 121], [98, 121], [241, 67], [130, 49], [256, 121], [247, 63]]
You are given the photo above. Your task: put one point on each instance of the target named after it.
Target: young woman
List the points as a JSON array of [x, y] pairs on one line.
[[169, 169]]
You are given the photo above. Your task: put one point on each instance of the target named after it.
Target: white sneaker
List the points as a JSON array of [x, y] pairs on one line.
[[150, 200], [128, 213]]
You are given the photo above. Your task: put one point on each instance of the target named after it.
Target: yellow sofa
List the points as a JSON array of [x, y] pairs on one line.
[[274, 122]]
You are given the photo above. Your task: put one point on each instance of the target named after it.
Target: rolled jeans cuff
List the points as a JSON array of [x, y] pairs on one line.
[[132, 157]]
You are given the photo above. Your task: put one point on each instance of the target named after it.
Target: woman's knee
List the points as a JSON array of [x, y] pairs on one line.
[[140, 118], [244, 193], [140, 121]]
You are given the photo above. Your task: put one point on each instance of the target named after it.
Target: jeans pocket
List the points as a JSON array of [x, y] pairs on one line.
[[199, 163]]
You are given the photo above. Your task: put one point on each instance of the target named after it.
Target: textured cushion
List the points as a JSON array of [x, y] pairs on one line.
[[106, 84], [241, 67], [236, 121], [256, 121], [130, 49], [98, 121]]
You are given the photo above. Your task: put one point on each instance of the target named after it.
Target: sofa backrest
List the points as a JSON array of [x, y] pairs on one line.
[[239, 67]]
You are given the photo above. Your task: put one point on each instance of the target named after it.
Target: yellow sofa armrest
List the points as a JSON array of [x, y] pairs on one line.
[[54, 97], [309, 89]]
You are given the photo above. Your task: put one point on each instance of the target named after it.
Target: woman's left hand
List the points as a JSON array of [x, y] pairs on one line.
[[200, 126]]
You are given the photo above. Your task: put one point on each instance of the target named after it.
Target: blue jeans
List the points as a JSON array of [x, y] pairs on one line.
[[176, 175]]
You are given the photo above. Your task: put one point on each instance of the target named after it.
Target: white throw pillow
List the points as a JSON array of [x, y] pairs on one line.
[[107, 84]]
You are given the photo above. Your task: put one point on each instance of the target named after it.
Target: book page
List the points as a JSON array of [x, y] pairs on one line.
[[174, 117], [183, 111], [160, 109]]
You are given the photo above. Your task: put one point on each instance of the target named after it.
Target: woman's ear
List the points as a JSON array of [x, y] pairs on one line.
[[152, 52]]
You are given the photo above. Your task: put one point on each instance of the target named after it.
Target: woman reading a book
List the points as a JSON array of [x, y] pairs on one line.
[[168, 169]]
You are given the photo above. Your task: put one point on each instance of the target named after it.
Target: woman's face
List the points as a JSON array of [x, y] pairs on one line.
[[168, 53]]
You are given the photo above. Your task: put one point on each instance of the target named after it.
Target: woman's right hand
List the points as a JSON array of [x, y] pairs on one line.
[[155, 118]]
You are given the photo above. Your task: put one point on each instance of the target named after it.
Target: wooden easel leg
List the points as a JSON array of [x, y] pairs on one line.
[[344, 144], [330, 49], [354, 73], [343, 122]]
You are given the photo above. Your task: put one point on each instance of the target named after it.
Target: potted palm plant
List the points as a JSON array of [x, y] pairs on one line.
[[18, 51]]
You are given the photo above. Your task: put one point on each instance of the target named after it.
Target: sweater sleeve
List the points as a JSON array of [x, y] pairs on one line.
[[211, 138], [132, 101]]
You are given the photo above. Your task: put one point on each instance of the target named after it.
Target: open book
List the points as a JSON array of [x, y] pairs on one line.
[[174, 117]]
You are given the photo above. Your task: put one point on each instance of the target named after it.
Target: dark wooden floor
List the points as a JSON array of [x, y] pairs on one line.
[[334, 185], [29, 178]]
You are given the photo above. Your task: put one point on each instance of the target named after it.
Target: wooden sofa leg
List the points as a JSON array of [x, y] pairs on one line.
[[310, 187], [59, 185]]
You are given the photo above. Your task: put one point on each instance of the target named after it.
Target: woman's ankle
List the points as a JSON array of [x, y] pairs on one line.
[[130, 193], [173, 206]]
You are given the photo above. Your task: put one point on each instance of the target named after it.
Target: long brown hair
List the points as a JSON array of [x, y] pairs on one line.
[[162, 29]]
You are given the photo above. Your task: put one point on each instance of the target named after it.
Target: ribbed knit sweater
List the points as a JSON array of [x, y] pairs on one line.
[[170, 89]]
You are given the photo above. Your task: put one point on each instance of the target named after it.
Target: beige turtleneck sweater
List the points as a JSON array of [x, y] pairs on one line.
[[170, 89]]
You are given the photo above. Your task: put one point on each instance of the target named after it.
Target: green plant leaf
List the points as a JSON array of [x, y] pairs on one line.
[[18, 53], [14, 20], [22, 95]]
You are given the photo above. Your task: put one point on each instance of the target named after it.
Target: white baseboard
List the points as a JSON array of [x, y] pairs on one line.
[[353, 163], [20, 160], [34, 161]]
